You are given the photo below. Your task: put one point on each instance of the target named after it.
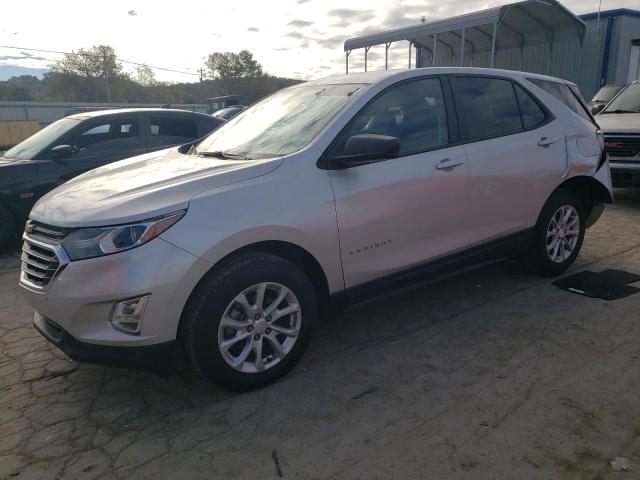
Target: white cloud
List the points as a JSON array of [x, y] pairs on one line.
[[295, 37]]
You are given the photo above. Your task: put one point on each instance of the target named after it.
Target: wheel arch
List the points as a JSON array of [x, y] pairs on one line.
[[295, 254], [13, 217], [592, 193], [588, 188]]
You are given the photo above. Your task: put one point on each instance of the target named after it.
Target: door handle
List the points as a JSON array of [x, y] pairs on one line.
[[447, 164], [546, 141]]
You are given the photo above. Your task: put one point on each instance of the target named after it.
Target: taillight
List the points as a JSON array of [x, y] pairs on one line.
[[600, 135]]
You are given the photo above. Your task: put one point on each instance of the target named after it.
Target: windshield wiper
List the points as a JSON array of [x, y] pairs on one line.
[[620, 111], [220, 154]]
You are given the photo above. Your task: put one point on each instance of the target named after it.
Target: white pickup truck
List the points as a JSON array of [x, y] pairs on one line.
[[620, 122]]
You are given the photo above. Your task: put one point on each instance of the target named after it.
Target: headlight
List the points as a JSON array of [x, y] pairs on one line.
[[97, 241]]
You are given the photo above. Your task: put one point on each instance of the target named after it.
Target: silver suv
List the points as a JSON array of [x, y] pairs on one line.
[[321, 196]]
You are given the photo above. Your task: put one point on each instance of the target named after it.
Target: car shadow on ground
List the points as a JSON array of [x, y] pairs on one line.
[[628, 197]]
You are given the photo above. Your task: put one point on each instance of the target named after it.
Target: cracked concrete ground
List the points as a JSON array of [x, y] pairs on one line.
[[493, 375]]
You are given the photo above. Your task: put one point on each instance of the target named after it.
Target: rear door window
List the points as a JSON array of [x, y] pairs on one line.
[[166, 130], [109, 134], [487, 107]]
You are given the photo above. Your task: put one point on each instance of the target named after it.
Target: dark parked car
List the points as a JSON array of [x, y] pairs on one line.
[[82, 142], [602, 97], [229, 112]]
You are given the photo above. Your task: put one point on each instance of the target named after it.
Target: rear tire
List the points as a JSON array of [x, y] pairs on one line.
[[236, 332], [558, 234], [7, 230]]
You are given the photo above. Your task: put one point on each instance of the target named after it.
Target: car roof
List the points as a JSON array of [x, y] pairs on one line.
[[121, 111], [232, 107], [377, 76]]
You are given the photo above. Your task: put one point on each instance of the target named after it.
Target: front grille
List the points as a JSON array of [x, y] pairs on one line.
[[42, 256], [39, 263], [46, 233], [626, 147]]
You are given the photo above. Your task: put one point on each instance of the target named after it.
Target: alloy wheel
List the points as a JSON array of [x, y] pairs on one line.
[[259, 327], [563, 233]]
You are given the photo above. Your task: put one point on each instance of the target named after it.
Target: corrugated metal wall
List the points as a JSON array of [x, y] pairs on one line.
[[533, 57], [627, 28], [48, 112], [592, 55], [624, 29], [569, 60]]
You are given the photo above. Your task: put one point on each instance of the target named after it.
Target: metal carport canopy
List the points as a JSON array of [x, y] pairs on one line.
[[468, 20], [526, 22]]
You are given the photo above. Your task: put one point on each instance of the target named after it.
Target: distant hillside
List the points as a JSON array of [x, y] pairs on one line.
[[8, 71]]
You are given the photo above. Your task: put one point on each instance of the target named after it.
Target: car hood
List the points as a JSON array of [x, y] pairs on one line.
[[619, 122], [141, 187]]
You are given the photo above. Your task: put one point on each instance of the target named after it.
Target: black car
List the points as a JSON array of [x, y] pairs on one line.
[[82, 142], [229, 112]]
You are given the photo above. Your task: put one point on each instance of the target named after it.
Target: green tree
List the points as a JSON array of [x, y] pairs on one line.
[[228, 67], [96, 62], [145, 76]]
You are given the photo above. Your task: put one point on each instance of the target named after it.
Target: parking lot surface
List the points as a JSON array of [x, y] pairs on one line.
[[496, 374]]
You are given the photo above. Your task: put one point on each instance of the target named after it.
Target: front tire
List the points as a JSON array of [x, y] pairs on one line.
[[558, 234], [249, 321]]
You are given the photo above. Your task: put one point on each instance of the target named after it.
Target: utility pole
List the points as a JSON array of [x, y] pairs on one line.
[[201, 74], [108, 88], [106, 76]]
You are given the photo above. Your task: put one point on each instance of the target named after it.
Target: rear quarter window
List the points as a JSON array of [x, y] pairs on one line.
[[563, 93], [532, 114]]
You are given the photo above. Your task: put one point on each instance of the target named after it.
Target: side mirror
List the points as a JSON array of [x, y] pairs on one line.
[[597, 108], [62, 151], [366, 148]]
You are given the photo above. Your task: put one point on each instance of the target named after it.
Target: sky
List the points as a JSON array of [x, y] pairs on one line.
[[293, 38]]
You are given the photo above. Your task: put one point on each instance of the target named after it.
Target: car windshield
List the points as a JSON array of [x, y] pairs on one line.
[[281, 124], [606, 93], [627, 102], [32, 146]]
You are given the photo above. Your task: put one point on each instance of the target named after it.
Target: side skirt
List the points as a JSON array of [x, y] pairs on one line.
[[432, 271]]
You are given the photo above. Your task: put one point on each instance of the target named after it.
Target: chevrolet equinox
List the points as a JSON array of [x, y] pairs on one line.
[[322, 195]]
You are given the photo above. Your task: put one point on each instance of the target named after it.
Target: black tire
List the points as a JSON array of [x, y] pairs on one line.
[[217, 290], [8, 232], [539, 259]]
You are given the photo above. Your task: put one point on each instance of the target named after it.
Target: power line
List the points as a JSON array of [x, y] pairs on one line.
[[119, 59]]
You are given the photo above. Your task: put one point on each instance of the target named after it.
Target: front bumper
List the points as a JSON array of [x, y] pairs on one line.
[[625, 174], [160, 358], [80, 299]]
